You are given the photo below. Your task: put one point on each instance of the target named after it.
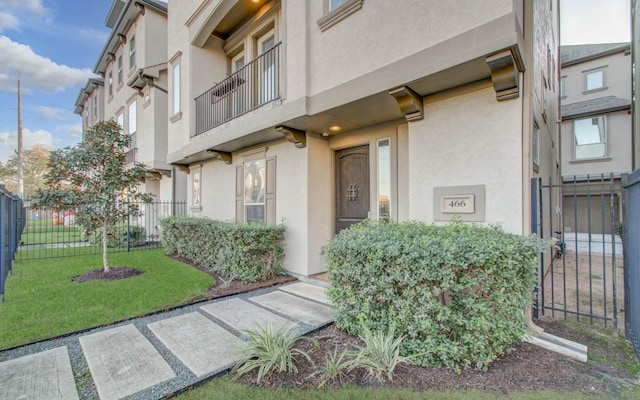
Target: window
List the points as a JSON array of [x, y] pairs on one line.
[[120, 120], [132, 51], [94, 100], [590, 138], [333, 4], [176, 88], [239, 95], [563, 86], [197, 188], [119, 69], [535, 146], [268, 67], [594, 80], [133, 124], [337, 10], [384, 179], [110, 83], [255, 174]]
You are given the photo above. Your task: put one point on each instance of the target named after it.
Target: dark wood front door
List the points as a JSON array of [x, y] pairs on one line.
[[352, 186]]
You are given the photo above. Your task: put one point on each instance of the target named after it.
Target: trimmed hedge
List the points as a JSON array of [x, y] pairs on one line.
[[457, 292], [117, 236], [249, 252]]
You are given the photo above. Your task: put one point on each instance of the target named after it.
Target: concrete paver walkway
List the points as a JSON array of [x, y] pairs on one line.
[[150, 357]]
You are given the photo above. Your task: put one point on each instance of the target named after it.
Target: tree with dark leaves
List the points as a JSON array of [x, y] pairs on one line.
[[94, 179]]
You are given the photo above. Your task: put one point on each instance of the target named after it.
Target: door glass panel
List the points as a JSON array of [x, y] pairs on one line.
[[268, 69], [239, 95], [384, 179]]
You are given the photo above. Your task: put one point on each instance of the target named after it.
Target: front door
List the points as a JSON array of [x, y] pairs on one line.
[[352, 186]]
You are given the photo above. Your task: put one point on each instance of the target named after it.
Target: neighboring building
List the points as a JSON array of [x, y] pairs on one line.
[[597, 139], [319, 114], [90, 103], [133, 91]]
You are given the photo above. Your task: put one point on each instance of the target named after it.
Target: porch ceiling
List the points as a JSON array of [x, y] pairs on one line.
[[382, 107], [320, 112]]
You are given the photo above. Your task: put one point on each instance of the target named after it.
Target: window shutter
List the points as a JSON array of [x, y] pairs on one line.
[[239, 193], [270, 193]]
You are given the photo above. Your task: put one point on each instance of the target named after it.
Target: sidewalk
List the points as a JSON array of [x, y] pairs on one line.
[[151, 357]]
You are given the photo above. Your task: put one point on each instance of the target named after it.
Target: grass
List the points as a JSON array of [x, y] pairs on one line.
[[603, 343], [225, 388], [41, 301], [43, 231]]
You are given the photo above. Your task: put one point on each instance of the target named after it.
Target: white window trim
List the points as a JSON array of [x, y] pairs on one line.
[[175, 62], [604, 79], [332, 17], [605, 156], [132, 40]]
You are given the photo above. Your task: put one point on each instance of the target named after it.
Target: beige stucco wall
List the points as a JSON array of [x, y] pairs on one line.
[[333, 60], [617, 69], [483, 148]]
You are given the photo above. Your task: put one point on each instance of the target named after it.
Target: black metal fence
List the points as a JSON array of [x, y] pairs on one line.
[[50, 233], [631, 239], [12, 220], [579, 278], [252, 86]]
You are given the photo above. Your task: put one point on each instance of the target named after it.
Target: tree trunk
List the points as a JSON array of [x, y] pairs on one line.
[[105, 263]]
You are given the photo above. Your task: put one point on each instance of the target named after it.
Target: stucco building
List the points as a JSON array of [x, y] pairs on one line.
[[133, 91], [597, 138], [319, 114]]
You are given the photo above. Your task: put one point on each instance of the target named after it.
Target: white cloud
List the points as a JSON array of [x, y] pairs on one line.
[[37, 72], [34, 6], [8, 22], [50, 113], [9, 141], [97, 35], [73, 134]]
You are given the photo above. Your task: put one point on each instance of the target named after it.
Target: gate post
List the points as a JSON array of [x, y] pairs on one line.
[[534, 230], [625, 259]]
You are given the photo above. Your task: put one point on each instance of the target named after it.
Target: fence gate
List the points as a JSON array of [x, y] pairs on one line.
[[631, 238], [579, 277]]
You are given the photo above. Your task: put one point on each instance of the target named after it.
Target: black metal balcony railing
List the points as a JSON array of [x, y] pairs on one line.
[[250, 87]]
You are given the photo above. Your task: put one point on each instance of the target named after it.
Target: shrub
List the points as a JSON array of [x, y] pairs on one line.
[[270, 350], [249, 252], [117, 236], [457, 292]]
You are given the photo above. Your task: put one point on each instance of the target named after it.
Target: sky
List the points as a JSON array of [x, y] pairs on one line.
[[53, 45]]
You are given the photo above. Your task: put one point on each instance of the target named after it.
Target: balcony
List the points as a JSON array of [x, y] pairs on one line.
[[250, 87]]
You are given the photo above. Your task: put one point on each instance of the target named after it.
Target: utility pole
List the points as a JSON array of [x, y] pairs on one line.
[[20, 181]]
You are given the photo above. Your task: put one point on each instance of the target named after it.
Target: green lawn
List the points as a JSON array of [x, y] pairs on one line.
[[41, 301], [43, 232], [225, 388]]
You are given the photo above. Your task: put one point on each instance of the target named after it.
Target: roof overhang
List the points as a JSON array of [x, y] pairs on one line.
[[130, 12], [91, 85]]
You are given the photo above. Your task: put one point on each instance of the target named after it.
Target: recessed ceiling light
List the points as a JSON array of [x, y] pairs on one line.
[[335, 128], [255, 1]]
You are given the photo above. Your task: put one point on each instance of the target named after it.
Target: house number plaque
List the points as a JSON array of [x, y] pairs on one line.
[[458, 204]]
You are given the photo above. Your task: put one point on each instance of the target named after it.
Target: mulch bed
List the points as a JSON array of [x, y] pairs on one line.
[[225, 286], [528, 367], [114, 274]]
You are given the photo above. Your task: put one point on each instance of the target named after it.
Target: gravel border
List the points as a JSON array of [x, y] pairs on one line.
[[184, 377]]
